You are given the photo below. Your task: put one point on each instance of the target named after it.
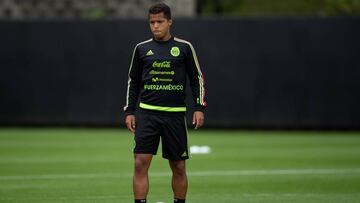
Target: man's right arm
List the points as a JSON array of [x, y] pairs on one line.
[[133, 89]]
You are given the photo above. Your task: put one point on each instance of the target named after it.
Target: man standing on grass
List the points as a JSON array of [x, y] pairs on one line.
[[158, 71]]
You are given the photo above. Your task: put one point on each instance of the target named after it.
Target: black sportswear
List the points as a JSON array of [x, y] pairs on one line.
[[158, 74]]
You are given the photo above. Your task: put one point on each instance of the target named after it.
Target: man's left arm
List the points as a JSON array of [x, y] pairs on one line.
[[197, 84]]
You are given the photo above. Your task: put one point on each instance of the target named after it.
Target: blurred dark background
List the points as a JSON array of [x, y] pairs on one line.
[[291, 64]]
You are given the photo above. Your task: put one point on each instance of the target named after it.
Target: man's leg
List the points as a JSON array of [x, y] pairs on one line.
[[179, 179], [141, 179]]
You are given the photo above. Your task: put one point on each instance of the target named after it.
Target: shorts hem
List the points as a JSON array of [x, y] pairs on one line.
[[176, 159], [143, 152]]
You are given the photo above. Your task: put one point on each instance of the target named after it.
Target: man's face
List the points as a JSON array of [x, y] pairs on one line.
[[159, 25]]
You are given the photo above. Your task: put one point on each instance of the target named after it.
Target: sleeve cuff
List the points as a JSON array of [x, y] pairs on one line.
[[129, 111], [199, 108]]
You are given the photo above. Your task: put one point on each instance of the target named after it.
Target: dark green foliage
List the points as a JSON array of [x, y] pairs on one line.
[[279, 7]]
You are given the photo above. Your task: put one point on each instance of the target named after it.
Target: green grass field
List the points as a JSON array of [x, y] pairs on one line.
[[95, 165]]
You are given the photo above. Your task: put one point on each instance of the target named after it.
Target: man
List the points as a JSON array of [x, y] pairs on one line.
[[157, 75]]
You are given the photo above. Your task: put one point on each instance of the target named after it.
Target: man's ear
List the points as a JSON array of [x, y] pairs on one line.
[[170, 22]]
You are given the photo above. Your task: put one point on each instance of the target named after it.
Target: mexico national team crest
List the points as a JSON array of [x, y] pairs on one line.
[[175, 51]]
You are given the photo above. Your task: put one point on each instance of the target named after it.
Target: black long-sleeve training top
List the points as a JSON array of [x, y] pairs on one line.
[[157, 75]]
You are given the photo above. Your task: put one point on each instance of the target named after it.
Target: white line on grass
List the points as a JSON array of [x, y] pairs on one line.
[[275, 172], [195, 173]]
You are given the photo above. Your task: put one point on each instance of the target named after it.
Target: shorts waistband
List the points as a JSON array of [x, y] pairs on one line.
[[160, 113]]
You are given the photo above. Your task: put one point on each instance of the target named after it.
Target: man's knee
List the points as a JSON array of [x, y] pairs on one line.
[[142, 163], [178, 168]]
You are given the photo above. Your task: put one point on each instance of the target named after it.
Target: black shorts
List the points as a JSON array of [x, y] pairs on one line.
[[171, 128]]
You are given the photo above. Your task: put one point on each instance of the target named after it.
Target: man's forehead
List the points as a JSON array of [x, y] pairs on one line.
[[158, 16]]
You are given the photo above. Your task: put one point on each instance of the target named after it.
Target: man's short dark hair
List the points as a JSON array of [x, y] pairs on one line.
[[161, 8]]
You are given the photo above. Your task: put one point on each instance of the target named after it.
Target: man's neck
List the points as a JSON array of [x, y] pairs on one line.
[[164, 39]]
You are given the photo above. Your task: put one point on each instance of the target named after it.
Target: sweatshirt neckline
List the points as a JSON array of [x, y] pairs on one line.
[[163, 42]]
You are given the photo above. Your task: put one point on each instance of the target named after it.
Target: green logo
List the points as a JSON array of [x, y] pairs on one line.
[[149, 53], [163, 64], [184, 154], [154, 72], [162, 79], [175, 51], [168, 87]]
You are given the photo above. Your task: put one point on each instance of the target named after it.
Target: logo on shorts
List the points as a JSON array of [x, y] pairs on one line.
[[184, 154], [175, 51]]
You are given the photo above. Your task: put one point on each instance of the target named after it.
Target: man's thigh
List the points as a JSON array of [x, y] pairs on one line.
[[147, 134], [175, 139]]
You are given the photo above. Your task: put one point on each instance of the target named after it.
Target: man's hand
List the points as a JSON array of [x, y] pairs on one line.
[[130, 122], [198, 119]]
